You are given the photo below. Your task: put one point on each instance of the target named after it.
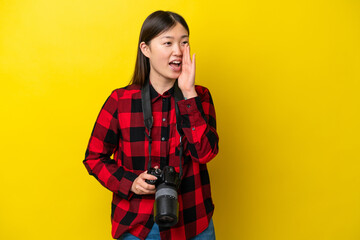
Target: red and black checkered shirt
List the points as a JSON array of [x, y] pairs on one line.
[[119, 131]]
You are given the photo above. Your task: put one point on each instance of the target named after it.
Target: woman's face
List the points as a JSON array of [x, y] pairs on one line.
[[165, 53]]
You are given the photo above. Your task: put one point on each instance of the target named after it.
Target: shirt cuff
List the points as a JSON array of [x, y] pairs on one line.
[[126, 183], [193, 120], [189, 105]]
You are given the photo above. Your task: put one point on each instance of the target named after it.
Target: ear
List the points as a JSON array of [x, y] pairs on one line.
[[145, 49]]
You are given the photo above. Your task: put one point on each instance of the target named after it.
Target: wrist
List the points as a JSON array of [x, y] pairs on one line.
[[189, 93]]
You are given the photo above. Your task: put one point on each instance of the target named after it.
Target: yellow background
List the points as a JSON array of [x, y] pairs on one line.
[[285, 80]]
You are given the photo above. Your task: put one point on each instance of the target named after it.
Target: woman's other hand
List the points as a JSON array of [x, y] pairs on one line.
[[186, 80]]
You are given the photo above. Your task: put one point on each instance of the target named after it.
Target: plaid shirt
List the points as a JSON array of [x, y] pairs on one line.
[[119, 131]]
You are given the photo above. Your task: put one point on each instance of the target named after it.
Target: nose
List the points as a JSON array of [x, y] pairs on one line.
[[178, 50]]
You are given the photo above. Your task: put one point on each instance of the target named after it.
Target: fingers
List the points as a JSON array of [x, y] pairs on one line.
[[186, 55], [145, 189], [139, 190], [141, 187], [145, 175], [187, 76]]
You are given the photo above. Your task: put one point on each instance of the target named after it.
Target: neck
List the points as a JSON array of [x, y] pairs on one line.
[[161, 85]]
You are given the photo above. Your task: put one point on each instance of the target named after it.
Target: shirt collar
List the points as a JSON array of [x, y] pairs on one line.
[[155, 95]]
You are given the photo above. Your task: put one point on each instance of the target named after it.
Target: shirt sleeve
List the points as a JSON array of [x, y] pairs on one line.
[[102, 144], [198, 121]]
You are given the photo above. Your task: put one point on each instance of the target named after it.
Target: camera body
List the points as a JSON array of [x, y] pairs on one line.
[[168, 176], [166, 206]]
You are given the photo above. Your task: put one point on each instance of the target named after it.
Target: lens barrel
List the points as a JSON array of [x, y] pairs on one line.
[[166, 207]]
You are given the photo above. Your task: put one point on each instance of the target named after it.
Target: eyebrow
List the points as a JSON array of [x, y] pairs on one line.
[[183, 36]]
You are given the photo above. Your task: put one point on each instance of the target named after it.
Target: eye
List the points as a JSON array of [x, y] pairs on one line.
[[167, 43], [185, 42]]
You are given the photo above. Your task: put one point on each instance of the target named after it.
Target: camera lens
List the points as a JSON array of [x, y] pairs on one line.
[[166, 207], [166, 219]]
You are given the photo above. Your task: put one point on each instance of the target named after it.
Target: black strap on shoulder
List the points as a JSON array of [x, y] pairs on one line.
[[148, 118], [146, 106], [178, 97]]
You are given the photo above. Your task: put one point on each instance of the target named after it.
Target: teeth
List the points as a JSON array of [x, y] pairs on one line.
[[176, 62]]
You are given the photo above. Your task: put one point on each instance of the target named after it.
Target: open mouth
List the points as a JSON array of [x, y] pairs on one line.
[[175, 65]]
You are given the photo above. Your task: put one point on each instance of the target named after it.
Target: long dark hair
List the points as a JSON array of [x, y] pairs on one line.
[[155, 24]]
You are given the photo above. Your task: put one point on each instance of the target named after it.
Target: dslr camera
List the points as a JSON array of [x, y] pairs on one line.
[[166, 205]]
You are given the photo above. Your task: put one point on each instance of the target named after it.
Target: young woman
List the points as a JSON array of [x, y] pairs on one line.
[[164, 65]]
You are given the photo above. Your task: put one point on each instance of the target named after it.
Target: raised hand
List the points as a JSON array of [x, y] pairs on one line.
[[186, 80]]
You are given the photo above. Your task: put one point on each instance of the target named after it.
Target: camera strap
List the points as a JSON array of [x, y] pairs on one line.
[[149, 120]]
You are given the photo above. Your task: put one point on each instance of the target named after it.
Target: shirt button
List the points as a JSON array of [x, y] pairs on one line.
[[164, 99], [164, 119], [193, 128], [188, 106], [162, 139]]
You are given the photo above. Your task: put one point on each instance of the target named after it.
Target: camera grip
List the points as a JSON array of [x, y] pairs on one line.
[[155, 172]]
